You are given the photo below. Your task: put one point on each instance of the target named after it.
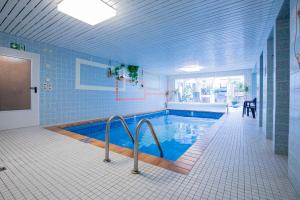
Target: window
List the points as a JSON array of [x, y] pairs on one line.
[[230, 89]]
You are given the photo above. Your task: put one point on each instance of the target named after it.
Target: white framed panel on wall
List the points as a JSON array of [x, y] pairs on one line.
[[85, 76], [151, 81]]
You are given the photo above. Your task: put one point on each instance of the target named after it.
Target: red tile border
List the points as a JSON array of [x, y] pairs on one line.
[[183, 165]]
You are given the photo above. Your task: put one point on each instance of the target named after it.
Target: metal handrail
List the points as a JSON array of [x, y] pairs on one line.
[[136, 143], [107, 131]]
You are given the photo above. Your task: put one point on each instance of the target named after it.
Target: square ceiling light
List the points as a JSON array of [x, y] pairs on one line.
[[88, 11], [191, 68]]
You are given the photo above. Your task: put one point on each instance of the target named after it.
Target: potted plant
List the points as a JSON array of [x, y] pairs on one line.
[[246, 89], [171, 95], [133, 73], [119, 73], [235, 103], [116, 72]]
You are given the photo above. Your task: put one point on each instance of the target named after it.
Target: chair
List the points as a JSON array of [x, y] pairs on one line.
[[249, 106]]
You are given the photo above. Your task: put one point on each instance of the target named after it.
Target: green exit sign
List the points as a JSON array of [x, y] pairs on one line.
[[17, 46]]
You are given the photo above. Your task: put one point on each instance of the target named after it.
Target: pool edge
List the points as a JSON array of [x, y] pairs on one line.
[[183, 165]]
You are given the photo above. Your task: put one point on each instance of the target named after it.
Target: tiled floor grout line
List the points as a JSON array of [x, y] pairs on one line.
[[42, 184], [17, 170]]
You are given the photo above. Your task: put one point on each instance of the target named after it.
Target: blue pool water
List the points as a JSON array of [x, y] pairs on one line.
[[176, 131]]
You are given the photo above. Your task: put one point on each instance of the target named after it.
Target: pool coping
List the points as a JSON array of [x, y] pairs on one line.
[[182, 165]]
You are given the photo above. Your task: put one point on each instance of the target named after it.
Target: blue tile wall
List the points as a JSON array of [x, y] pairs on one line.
[[187, 113], [66, 104], [261, 89], [270, 87], [254, 84], [294, 135], [265, 87], [96, 76], [100, 125], [282, 81]]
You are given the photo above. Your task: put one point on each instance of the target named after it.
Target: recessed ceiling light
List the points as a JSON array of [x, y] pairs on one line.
[[88, 11], [191, 68]]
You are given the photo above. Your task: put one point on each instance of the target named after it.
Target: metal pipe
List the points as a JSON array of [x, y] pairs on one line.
[[107, 131], [136, 143], [227, 109]]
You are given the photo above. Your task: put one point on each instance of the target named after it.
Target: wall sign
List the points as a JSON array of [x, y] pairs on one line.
[[17, 46]]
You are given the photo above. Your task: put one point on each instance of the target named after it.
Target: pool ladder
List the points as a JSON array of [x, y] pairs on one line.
[[134, 141], [107, 131]]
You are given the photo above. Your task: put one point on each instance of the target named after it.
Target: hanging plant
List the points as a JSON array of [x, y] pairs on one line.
[[116, 72], [133, 73], [119, 73]]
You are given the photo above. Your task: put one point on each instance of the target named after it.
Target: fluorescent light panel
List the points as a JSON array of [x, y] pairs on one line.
[[191, 68], [88, 11]]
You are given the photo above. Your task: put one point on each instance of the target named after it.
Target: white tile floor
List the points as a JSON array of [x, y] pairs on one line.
[[238, 164]]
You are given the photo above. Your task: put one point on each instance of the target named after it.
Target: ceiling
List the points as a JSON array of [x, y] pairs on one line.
[[159, 35]]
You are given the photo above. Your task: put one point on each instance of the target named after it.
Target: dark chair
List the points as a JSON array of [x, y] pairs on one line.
[[249, 106]]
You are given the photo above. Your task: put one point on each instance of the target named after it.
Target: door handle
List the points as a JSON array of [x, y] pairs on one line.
[[34, 89]]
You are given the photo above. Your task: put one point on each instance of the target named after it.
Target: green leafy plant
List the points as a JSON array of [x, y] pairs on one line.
[[246, 89], [187, 94], [133, 72], [116, 72], [241, 87]]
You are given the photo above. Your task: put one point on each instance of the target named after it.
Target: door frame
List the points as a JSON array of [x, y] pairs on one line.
[[24, 118]]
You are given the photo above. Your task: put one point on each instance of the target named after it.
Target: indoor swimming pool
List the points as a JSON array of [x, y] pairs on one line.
[[176, 131]]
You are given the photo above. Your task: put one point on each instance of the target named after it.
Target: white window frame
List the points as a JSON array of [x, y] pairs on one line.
[[205, 77]]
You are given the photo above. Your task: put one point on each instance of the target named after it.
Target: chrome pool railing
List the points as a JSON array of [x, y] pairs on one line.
[[136, 143], [107, 131]]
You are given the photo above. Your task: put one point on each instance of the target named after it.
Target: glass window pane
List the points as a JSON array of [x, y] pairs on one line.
[[229, 89], [15, 82]]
